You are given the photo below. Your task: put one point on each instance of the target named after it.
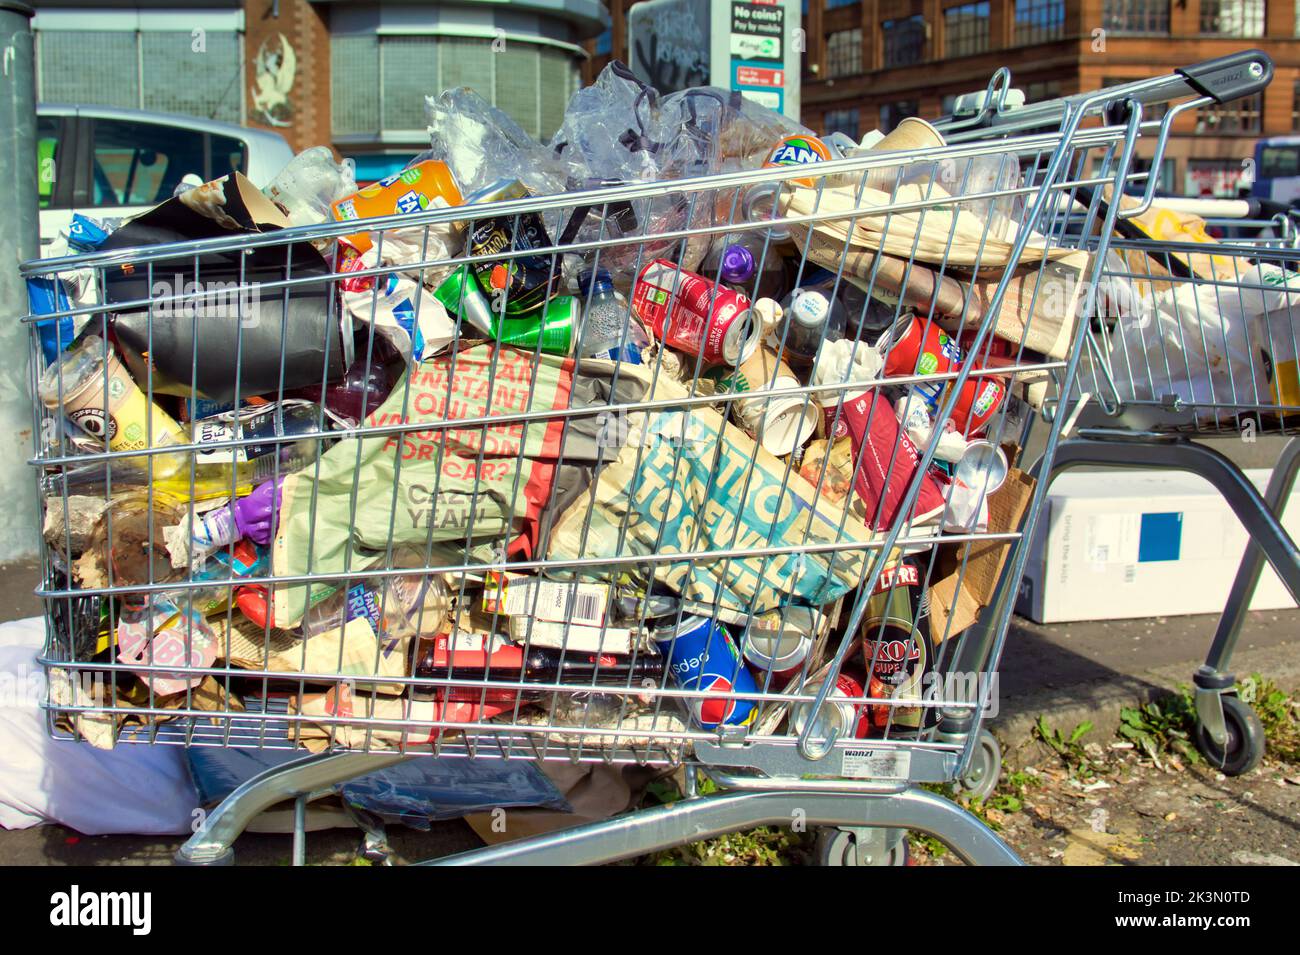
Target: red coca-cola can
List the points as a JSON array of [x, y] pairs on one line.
[[915, 346], [688, 312], [977, 403]]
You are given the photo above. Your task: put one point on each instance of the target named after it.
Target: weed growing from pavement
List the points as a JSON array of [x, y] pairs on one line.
[[1157, 730], [1161, 727], [766, 845], [1069, 748], [1280, 714]]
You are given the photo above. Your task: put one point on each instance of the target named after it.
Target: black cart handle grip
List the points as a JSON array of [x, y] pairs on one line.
[[1230, 77]]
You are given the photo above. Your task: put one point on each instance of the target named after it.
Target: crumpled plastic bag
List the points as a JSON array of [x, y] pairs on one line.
[[1203, 341], [310, 183], [482, 145]]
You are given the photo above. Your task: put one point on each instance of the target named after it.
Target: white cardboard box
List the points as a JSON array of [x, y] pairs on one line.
[[1115, 544]]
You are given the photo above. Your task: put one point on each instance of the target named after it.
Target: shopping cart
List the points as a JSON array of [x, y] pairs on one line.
[[488, 460]]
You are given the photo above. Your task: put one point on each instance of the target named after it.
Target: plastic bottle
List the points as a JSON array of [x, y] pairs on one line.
[[735, 259], [261, 462], [810, 316], [409, 605], [609, 329]]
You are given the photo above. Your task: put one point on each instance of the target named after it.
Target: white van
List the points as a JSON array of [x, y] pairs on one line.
[[114, 163]]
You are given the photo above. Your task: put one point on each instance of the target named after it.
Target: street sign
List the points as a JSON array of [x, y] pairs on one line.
[[753, 46], [757, 48]]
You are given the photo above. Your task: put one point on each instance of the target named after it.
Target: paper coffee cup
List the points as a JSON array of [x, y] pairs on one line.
[[912, 133], [77, 384], [779, 424]]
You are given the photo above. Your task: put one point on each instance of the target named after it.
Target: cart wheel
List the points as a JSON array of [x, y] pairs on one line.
[[985, 767], [836, 847], [1245, 744]]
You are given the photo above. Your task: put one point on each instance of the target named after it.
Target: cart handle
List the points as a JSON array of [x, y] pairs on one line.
[[1230, 77], [1221, 79]]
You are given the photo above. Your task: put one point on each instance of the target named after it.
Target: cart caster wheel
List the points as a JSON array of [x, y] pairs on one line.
[[1245, 744], [838, 847], [985, 767]]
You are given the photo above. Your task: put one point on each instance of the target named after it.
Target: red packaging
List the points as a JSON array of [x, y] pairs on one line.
[[882, 476], [706, 319], [977, 402], [919, 347]]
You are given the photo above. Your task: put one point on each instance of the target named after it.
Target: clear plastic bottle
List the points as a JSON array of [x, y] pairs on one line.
[[609, 330], [810, 316]]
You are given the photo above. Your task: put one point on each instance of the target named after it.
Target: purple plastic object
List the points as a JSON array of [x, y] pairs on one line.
[[737, 265], [255, 515]]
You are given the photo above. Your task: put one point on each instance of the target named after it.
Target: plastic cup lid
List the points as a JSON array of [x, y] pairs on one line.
[[983, 466], [787, 424]]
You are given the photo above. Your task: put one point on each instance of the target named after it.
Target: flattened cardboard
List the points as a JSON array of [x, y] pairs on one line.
[[953, 610]]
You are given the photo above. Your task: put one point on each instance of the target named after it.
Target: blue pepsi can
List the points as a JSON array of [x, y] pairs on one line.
[[702, 656]]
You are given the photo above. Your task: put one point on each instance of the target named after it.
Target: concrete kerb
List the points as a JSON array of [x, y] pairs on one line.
[[1100, 703]]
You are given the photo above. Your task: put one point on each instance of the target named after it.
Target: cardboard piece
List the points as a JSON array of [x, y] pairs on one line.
[[958, 594], [232, 321]]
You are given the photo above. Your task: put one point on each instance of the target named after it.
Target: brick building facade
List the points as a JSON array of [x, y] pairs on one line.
[[867, 63]]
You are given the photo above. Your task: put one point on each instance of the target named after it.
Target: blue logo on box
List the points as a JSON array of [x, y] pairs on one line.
[[1160, 537]]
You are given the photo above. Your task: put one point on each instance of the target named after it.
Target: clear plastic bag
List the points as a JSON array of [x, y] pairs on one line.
[[310, 183]]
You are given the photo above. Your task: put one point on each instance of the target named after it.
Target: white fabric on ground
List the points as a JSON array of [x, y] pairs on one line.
[[134, 788]]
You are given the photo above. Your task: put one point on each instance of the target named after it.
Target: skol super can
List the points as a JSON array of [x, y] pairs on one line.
[[702, 656], [897, 647], [692, 314]]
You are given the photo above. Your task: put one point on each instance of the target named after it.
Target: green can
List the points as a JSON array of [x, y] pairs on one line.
[[460, 295], [553, 327]]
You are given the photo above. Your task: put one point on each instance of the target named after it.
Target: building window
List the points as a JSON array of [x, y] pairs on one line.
[[1295, 102], [1216, 178], [1243, 18], [140, 69], [904, 40], [844, 53], [891, 114], [966, 29], [1038, 21], [1240, 117], [1041, 92], [1135, 16], [529, 82], [842, 121]]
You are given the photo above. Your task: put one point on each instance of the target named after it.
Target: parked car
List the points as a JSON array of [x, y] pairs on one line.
[[111, 163]]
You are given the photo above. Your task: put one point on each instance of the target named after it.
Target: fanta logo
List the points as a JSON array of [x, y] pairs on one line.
[[798, 150]]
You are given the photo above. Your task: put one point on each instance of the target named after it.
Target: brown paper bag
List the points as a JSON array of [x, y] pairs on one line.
[[1040, 308]]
